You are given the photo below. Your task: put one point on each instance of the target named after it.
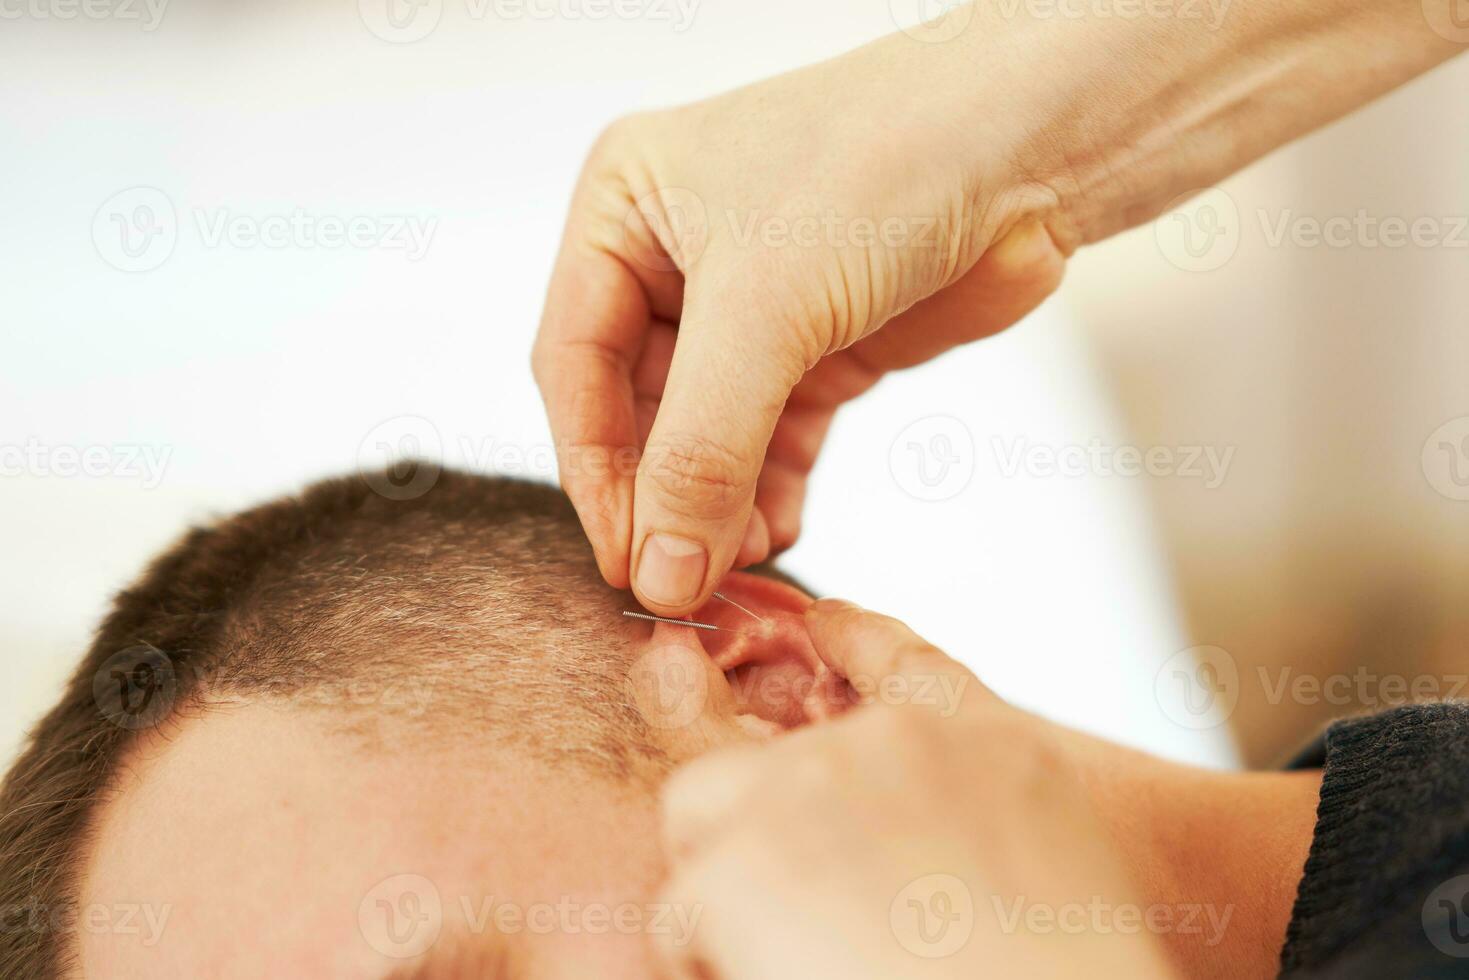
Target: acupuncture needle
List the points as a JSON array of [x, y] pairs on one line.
[[676, 622], [721, 595]]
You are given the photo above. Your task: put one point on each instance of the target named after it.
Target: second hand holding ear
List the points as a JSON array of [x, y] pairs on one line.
[[871, 846]]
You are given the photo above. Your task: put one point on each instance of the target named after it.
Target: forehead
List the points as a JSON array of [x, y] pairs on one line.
[[260, 841]]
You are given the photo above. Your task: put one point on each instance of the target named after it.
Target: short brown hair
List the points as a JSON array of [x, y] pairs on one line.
[[484, 583]]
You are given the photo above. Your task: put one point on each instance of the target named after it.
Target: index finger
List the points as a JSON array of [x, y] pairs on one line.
[[592, 329]]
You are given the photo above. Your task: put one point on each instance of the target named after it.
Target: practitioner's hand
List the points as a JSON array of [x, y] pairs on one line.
[[725, 271], [734, 270], [939, 832], [918, 836]]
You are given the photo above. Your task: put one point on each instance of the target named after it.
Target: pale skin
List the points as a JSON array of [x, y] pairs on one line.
[[719, 363], [808, 841], [272, 845], [272, 839], [732, 271], [260, 838]]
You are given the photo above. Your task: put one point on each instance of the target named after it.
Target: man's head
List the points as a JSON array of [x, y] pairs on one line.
[[348, 735]]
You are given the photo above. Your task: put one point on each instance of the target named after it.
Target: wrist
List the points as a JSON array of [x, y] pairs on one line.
[[1218, 854]]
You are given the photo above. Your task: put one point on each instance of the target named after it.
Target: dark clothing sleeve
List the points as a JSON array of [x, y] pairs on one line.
[[1386, 887]]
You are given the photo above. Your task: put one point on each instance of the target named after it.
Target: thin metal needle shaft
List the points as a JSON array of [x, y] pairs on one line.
[[721, 595]]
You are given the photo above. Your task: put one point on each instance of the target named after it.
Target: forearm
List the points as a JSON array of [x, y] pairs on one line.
[[1238, 841], [1217, 855], [1106, 118]]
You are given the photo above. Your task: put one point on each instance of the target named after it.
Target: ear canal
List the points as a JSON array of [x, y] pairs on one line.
[[764, 649]]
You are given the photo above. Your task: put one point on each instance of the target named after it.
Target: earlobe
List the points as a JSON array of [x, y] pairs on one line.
[[764, 649]]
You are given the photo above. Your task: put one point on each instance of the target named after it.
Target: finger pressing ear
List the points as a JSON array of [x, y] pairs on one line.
[[869, 649], [704, 797]]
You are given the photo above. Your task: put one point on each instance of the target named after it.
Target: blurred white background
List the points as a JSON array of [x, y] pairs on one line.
[[194, 374]]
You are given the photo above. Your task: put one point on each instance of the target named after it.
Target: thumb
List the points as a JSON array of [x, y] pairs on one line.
[[727, 385], [885, 660]]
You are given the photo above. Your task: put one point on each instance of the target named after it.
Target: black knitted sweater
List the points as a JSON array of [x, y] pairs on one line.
[[1386, 887]]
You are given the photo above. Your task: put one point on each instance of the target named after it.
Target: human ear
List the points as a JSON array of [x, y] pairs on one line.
[[765, 652]]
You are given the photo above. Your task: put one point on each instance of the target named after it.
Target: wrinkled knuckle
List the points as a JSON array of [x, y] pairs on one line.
[[697, 475]]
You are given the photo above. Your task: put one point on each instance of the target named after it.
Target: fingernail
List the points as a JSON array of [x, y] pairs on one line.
[[671, 569]]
